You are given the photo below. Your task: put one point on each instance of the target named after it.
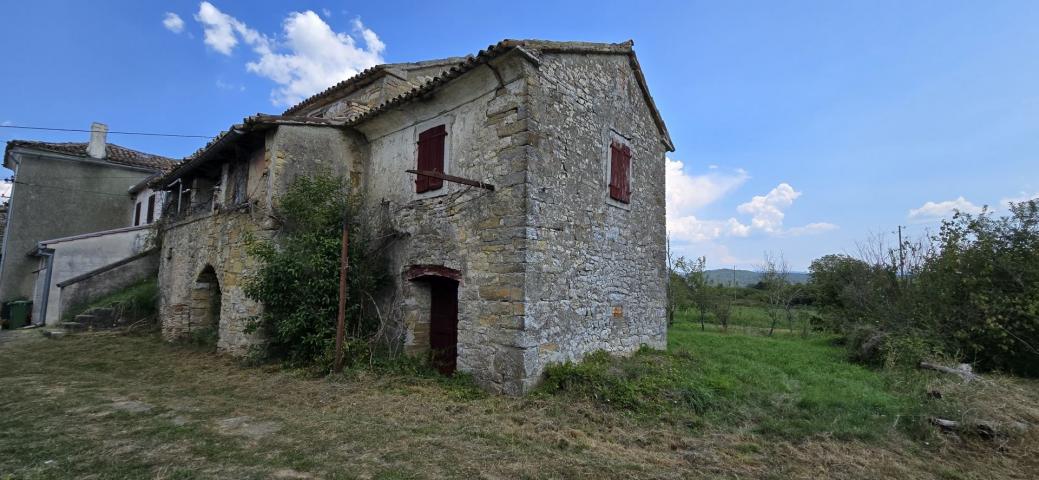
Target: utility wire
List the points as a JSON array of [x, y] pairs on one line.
[[54, 129]]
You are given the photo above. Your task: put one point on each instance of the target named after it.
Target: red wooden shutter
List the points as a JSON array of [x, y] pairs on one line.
[[620, 172], [430, 158], [615, 171], [625, 186]]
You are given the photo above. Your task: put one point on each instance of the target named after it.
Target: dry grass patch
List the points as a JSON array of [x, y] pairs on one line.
[[92, 406]]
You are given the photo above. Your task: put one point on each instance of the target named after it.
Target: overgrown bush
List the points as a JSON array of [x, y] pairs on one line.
[[298, 278], [970, 292]]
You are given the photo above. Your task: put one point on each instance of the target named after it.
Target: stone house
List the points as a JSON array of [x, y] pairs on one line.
[[72, 195], [538, 238]]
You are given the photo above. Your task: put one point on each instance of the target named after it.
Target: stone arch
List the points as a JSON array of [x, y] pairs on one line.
[[206, 300]]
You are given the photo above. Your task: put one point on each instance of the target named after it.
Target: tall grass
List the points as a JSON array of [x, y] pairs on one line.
[[784, 386], [134, 302]]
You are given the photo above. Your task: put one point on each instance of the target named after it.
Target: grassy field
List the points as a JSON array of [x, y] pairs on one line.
[[110, 406]]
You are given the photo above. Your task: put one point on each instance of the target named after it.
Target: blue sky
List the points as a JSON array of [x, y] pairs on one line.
[[801, 127]]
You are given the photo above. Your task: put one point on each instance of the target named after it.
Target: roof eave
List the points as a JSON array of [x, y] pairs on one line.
[[255, 123]]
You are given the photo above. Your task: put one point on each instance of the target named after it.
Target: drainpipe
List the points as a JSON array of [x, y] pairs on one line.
[[49, 253]]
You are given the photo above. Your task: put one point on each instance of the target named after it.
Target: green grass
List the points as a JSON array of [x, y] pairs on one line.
[[793, 387], [784, 387]]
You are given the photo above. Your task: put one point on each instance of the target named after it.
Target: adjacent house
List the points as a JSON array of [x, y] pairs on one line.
[[535, 233], [74, 208]]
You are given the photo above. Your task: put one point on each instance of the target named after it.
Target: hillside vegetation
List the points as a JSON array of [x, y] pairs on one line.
[[746, 278]]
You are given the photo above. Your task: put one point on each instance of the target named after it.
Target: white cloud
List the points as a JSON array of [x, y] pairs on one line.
[[692, 229], [937, 210], [7, 122], [686, 193], [307, 58], [766, 211], [1023, 197], [5, 191], [810, 229], [221, 31], [173, 22]]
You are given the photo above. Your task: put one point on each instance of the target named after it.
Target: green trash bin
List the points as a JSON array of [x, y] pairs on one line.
[[19, 313]]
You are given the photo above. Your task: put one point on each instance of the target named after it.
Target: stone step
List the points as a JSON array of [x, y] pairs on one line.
[[86, 319], [55, 333], [72, 326]]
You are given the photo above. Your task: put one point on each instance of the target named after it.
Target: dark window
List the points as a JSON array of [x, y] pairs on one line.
[[620, 172], [137, 215], [151, 208], [430, 158]]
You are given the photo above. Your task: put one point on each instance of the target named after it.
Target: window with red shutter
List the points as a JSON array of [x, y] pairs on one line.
[[620, 172], [430, 158]]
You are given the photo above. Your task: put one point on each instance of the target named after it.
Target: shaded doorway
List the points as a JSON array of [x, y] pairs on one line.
[[443, 324], [205, 307]]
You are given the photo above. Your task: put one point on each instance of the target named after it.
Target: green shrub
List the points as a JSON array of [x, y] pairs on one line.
[[971, 293], [649, 382], [298, 278]]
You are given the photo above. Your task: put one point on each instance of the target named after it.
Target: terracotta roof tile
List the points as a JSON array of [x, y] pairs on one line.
[[114, 154]]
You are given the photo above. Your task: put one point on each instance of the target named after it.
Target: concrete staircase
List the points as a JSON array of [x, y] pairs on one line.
[[90, 320]]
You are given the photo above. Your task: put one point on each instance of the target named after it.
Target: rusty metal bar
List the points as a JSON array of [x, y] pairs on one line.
[[452, 178], [344, 267]]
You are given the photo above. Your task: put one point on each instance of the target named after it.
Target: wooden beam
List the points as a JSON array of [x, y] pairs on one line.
[[452, 178]]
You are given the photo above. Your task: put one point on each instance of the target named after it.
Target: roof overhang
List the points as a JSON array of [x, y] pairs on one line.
[[529, 49], [234, 136]]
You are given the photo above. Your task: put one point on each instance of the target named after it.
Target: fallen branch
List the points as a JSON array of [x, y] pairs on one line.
[[982, 429], [963, 370]]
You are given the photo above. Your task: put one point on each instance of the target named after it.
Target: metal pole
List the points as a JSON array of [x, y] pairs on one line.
[[341, 320], [901, 255]]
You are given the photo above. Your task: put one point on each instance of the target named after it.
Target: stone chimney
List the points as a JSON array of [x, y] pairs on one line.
[[98, 136]]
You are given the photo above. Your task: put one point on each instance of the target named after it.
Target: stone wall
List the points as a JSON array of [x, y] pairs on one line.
[[479, 233], [217, 238], [549, 269], [188, 246], [596, 268]]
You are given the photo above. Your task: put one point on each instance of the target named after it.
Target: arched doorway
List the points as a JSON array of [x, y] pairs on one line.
[[205, 305]]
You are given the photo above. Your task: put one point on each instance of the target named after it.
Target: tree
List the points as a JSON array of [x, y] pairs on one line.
[[779, 292], [721, 306], [696, 279]]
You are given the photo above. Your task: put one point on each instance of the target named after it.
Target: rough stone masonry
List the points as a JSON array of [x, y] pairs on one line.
[[565, 256]]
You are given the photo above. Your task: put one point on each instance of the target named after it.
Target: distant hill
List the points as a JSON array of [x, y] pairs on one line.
[[746, 278]]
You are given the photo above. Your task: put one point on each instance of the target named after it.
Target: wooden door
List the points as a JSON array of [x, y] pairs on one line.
[[443, 325]]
